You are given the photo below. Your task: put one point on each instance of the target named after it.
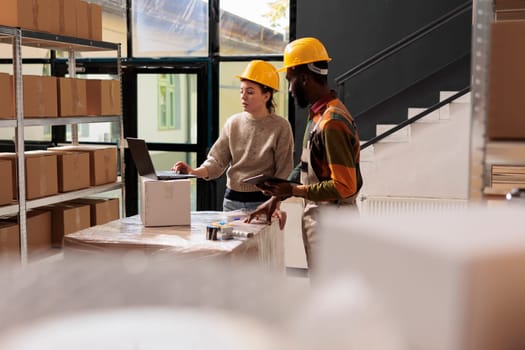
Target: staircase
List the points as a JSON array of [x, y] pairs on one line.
[[426, 160]]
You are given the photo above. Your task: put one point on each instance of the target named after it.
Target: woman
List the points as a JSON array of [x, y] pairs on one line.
[[255, 141]]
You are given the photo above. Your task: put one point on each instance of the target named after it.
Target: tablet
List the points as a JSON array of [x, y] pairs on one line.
[[260, 179]]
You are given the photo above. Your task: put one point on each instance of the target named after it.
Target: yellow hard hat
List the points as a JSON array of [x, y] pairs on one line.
[[303, 51], [261, 72]]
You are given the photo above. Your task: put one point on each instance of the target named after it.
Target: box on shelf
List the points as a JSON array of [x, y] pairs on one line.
[[43, 92], [40, 173], [102, 162], [103, 97], [9, 242], [7, 110], [73, 171], [6, 184], [67, 218], [103, 210], [38, 232], [509, 4], [95, 22], [47, 19], [67, 14], [165, 202], [72, 97], [506, 104], [18, 13], [82, 20]]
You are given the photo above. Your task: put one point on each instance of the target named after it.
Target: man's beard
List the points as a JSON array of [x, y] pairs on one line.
[[299, 97]]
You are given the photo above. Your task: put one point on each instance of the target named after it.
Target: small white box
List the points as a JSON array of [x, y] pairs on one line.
[[165, 202]]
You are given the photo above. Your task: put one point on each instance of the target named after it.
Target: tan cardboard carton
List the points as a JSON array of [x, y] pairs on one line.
[[115, 99], [95, 22], [102, 210], [38, 232], [6, 182], [72, 97], [40, 94], [67, 218], [505, 120], [102, 162], [103, 97], [165, 203], [41, 173], [9, 242], [7, 110], [47, 18], [82, 20], [67, 15], [18, 13], [73, 171], [11, 157], [509, 4]]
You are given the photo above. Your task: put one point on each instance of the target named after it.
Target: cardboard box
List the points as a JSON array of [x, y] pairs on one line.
[[40, 94], [82, 20], [67, 15], [509, 4], [165, 202], [18, 13], [73, 171], [102, 162], [95, 22], [47, 19], [447, 280], [506, 105], [67, 218], [38, 232], [9, 242], [72, 97], [6, 184], [103, 97], [102, 210], [41, 173], [7, 106]]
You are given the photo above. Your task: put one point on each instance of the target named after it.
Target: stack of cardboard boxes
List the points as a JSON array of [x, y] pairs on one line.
[[53, 97], [506, 105], [75, 18], [46, 226], [60, 169]]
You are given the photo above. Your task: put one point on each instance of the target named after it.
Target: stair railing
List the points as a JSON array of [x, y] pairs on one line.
[[397, 46]]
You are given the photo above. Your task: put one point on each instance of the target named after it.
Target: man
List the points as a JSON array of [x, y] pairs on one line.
[[329, 168]]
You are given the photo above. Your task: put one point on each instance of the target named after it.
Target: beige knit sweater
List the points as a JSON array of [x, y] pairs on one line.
[[249, 147]]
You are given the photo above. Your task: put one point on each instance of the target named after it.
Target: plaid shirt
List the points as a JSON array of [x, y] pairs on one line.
[[334, 152]]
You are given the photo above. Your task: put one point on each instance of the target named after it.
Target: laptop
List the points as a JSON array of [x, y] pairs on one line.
[[140, 154]]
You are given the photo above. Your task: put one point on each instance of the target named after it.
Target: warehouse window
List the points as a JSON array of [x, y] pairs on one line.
[[170, 28], [253, 27], [166, 100], [170, 100]]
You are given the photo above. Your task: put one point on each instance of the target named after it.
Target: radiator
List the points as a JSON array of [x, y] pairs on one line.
[[399, 205]]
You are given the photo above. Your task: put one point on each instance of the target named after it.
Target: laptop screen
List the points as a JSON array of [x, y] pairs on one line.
[[140, 154]]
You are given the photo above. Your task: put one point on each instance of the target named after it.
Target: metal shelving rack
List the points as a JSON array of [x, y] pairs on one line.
[[485, 153], [18, 38]]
